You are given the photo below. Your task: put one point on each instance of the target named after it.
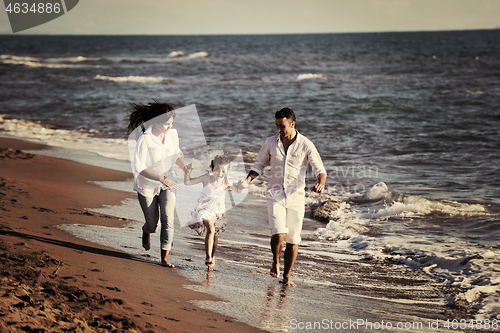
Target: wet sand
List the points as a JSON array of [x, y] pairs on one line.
[[56, 281], [52, 281]]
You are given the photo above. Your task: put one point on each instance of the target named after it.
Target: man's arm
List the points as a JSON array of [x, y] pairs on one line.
[[317, 164], [262, 161], [251, 175], [320, 185]]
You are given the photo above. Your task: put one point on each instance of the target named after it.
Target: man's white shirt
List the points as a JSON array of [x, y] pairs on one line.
[[288, 170]]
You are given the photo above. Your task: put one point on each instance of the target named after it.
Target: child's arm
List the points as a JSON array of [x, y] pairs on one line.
[[192, 181]]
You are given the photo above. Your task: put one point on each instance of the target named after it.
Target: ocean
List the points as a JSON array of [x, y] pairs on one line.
[[407, 125]]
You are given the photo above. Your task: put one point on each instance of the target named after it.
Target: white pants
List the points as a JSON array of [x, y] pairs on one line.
[[286, 215]]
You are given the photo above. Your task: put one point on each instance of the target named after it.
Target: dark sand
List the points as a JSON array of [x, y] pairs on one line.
[[54, 282]]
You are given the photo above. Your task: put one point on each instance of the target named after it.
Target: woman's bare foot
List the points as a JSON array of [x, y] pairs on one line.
[[167, 264], [146, 243], [164, 259], [288, 281], [275, 270]]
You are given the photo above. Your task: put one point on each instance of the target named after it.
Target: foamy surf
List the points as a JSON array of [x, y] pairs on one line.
[[132, 78], [63, 62], [83, 140], [311, 76], [385, 225], [200, 54], [174, 54], [186, 55]]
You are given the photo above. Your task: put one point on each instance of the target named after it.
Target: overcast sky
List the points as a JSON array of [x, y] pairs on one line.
[[187, 17]]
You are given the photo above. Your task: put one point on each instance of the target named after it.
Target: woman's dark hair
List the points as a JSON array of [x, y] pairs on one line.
[[144, 113], [219, 160]]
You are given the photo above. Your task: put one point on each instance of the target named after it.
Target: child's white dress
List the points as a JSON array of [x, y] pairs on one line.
[[211, 206]]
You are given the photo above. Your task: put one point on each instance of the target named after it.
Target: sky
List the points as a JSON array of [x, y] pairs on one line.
[[199, 17]]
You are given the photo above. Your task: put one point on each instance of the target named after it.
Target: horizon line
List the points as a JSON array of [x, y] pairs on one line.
[[251, 34]]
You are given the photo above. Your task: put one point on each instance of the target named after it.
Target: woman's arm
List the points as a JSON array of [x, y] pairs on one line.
[[151, 175], [162, 179]]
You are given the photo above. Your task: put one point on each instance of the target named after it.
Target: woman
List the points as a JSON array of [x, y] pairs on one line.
[[156, 150]]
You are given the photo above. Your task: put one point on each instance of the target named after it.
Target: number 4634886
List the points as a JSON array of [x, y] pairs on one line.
[[472, 324], [40, 8]]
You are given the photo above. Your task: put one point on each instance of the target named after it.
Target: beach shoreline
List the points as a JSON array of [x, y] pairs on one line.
[[52, 280], [40, 194]]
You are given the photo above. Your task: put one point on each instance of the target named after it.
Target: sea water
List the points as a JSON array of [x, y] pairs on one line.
[[406, 124]]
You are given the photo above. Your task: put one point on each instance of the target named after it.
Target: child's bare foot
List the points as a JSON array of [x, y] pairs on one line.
[[210, 263], [146, 243], [211, 267], [275, 270], [288, 281]]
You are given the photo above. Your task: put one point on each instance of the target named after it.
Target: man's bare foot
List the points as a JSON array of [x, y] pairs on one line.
[[275, 270], [288, 282], [146, 243], [167, 264]]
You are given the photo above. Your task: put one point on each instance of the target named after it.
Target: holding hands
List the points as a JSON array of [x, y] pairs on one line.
[[242, 185], [188, 168], [170, 183]]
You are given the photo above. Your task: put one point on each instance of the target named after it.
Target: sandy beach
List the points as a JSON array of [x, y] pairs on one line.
[[52, 281], [406, 124]]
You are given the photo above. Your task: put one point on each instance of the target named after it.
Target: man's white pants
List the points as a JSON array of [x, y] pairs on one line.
[[286, 214]]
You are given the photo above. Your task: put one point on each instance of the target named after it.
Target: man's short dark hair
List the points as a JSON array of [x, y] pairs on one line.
[[285, 113]]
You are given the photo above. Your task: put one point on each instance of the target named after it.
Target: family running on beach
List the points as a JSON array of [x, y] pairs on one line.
[[286, 153]]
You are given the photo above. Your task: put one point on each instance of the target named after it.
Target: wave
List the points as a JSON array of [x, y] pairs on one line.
[[201, 54], [174, 54], [64, 62], [82, 61], [82, 139], [475, 274], [19, 58], [136, 79], [384, 225], [72, 59], [401, 205], [311, 76]]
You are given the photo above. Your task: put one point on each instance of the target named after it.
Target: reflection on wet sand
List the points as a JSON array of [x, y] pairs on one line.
[[276, 315]]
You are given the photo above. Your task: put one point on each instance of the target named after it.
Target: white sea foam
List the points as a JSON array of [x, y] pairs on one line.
[[18, 58], [136, 79], [311, 76], [442, 257], [174, 54], [71, 59], [413, 206], [115, 148], [37, 64], [65, 62], [83, 61], [200, 54], [377, 192]]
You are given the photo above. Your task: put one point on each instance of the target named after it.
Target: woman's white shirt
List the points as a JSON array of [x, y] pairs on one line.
[[152, 154]]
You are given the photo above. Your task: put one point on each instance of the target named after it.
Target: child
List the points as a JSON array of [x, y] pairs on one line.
[[210, 211]]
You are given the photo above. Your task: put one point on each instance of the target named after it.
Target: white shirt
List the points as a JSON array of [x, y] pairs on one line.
[[150, 153], [288, 170]]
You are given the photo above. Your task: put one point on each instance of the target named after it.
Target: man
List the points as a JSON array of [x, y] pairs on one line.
[[287, 153]]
